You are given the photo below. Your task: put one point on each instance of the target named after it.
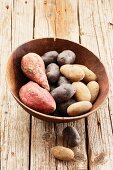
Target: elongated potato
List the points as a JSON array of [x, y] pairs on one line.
[[50, 57], [79, 108], [93, 87], [82, 91], [62, 153], [63, 93], [66, 57], [89, 75], [72, 72], [37, 98], [53, 72], [33, 67]]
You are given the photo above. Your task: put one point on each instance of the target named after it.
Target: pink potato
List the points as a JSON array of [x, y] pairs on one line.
[[33, 67], [37, 98]]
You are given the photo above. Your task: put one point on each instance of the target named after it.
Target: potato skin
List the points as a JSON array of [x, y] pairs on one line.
[[89, 75], [71, 135], [63, 80], [79, 108], [53, 72], [50, 57], [33, 67], [62, 107], [72, 72], [63, 93], [66, 57], [82, 92], [37, 98], [93, 87], [62, 153]]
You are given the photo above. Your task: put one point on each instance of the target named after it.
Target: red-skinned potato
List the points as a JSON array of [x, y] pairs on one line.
[[33, 67], [37, 98]]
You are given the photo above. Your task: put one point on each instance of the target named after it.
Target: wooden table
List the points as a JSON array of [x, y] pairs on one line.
[[25, 140]]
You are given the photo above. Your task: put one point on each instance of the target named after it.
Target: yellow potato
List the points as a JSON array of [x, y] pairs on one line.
[[62, 153], [82, 92], [79, 108], [89, 75], [93, 87], [72, 72]]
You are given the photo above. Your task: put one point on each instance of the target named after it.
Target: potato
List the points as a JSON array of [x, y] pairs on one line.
[[50, 57], [62, 153], [72, 72], [79, 108], [82, 91], [89, 75], [62, 107], [53, 72], [33, 67], [71, 135], [37, 98], [63, 93], [63, 80], [66, 57], [93, 87]]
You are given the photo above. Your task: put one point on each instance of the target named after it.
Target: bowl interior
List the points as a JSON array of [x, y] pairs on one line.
[[16, 78]]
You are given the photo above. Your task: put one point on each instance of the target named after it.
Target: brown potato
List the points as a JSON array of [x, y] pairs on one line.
[[66, 57], [53, 72], [93, 87], [79, 108], [63, 93], [72, 72], [50, 57], [62, 153], [82, 92], [89, 75]]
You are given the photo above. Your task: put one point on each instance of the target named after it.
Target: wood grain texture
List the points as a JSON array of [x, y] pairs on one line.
[[42, 133], [58, 18], [94, 35], [16, 27]]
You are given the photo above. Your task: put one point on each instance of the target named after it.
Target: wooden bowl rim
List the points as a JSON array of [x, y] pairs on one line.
[[74, 118]]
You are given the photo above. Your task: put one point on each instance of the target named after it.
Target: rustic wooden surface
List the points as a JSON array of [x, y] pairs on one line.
[[26, 141]]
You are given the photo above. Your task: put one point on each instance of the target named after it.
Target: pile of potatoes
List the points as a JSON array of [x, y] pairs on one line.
[[57, 85]]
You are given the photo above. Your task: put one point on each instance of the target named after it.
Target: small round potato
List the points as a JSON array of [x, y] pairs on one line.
[[72, 72], [71, 135], [66, 57], [89, 75], [63, 93], [52, 72], [50, 57], [79, 108], [62, 107], [62, 153], [93, 87], [63, 80], [82, 92]]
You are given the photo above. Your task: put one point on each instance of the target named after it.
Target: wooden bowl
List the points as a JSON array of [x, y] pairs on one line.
[[16, 78]]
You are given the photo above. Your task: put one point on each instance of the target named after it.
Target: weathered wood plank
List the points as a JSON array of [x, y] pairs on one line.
[[16, 27], [67, 26], [94, 36], [56, 19], [42, 133]]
